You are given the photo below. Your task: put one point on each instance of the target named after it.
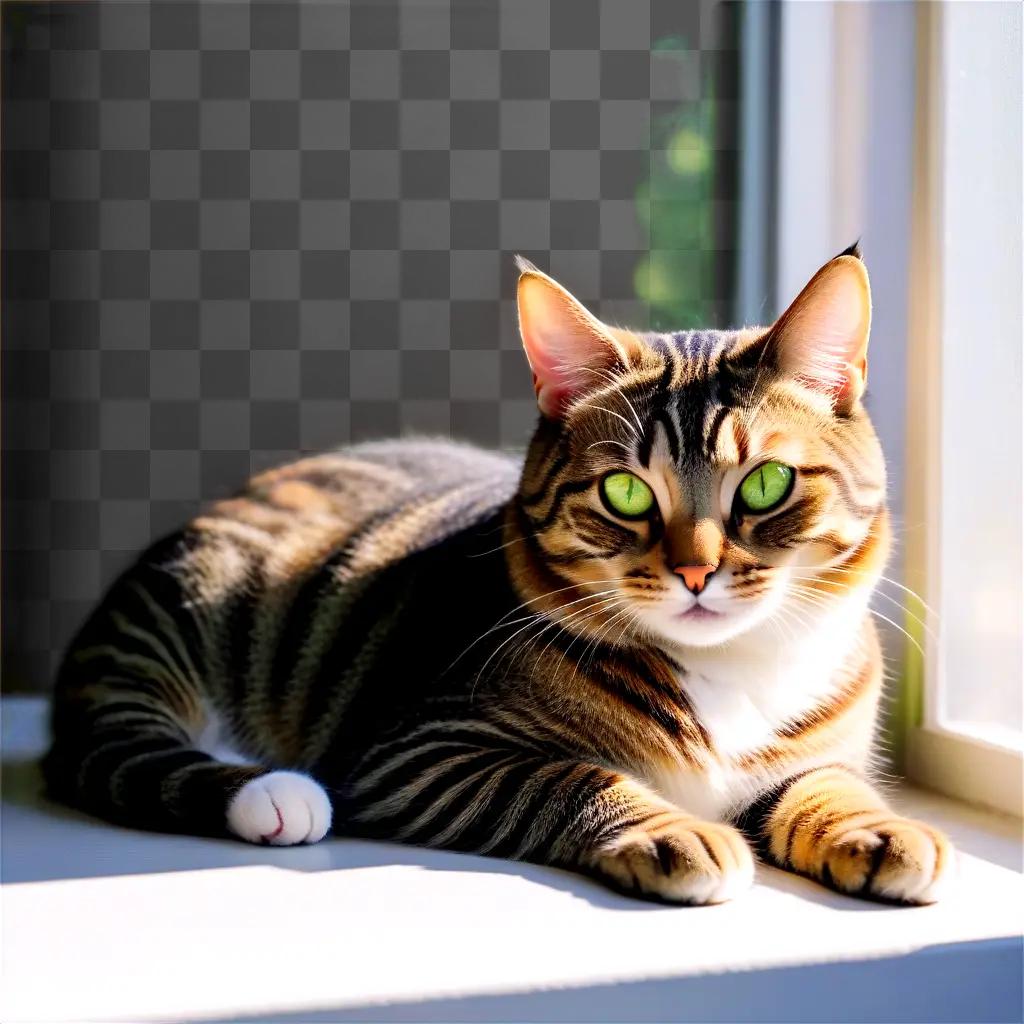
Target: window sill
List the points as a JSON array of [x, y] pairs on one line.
[[105, 923], [968, 767]]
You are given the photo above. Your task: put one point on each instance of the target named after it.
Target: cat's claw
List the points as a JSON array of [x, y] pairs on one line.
[[280, 808]]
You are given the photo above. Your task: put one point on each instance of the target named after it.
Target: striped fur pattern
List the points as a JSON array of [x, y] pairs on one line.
[[424, 642]]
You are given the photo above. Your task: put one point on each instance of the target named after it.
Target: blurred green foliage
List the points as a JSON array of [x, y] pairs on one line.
[[675, 205]]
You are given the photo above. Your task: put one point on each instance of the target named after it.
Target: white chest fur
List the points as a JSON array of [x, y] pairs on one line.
[[744, 692]]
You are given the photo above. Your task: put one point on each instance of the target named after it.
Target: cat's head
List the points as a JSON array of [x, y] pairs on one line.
[[693, 485]]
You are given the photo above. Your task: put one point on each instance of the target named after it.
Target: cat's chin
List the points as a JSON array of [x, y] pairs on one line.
[[699, 626]]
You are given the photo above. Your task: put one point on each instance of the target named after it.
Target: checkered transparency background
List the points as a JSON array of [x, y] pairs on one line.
[[234, 233]]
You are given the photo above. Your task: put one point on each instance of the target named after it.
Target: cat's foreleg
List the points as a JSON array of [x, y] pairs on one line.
[[567, 813], [831, 825], [641, 844]]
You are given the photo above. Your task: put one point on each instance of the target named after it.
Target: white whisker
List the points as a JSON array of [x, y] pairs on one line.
[[618, 416], [624, 447]]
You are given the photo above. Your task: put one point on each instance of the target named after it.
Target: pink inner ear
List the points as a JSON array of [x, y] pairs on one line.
[[823, 336], [553, 395], [567, 347], [562, 369]]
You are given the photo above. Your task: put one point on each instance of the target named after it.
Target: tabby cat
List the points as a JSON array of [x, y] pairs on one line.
[[644, 654]]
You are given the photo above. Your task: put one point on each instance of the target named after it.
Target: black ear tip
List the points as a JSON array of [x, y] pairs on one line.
[[852, 250]]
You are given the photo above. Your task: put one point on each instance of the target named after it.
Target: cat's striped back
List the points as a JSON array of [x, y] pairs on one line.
[[258, 625]]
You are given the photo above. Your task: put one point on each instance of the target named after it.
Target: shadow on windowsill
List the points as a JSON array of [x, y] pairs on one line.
[[43, 841]]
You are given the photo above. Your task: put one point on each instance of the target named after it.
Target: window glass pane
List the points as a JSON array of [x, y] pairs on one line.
[[980, 447]]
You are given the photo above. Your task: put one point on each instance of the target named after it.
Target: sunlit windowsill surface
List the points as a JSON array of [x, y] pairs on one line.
[[102, 923]]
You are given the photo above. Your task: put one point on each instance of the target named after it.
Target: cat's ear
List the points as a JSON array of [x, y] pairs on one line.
[[822, 339], [568, 348]]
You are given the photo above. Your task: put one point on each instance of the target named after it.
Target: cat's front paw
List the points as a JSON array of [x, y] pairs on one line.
[[678, 859], [897, 859], [280, 808]]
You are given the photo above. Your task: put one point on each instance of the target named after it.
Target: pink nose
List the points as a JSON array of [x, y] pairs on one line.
[[695, 576]]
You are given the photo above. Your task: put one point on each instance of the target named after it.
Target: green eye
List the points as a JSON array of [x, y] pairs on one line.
[[767, 486], [627, 495]]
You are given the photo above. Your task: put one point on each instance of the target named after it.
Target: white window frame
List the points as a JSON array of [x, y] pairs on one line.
[[975, 764], [860, 106]]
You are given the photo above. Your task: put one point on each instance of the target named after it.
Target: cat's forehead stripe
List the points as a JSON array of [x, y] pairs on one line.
[[687, 395], [698, 348]]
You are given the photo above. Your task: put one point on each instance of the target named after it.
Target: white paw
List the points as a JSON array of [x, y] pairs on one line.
[[282, 808]]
